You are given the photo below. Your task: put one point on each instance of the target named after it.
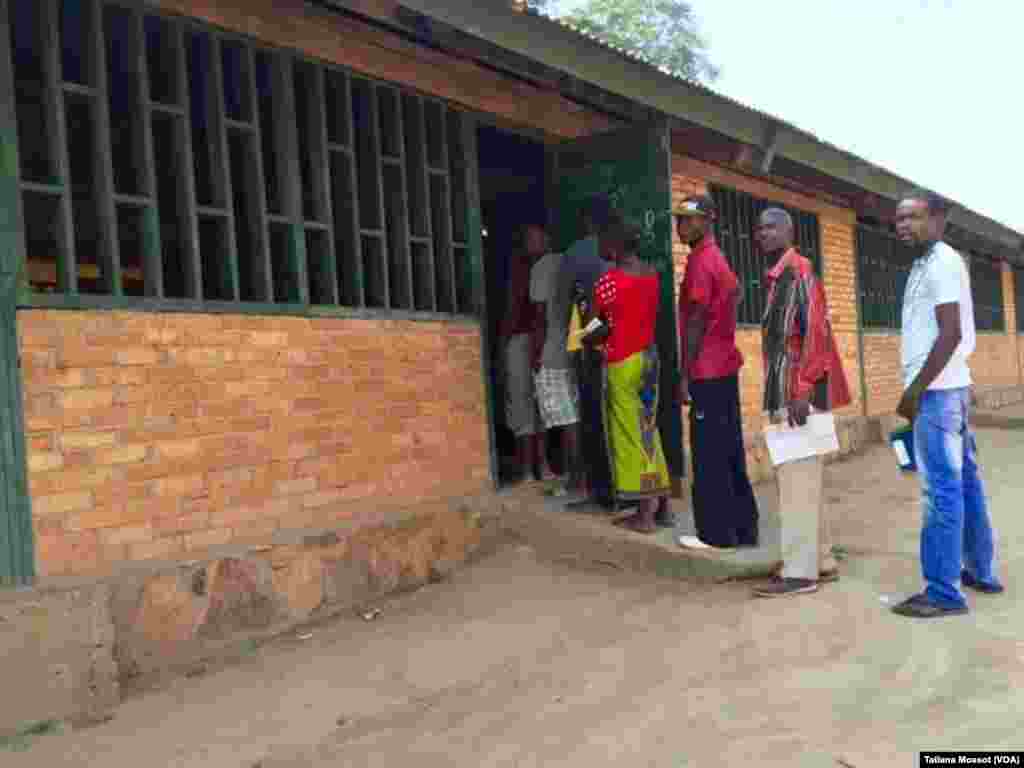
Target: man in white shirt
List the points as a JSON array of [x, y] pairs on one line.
[[938, 337]]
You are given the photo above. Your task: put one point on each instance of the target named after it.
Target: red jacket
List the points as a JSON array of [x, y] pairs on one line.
[[801, 359]]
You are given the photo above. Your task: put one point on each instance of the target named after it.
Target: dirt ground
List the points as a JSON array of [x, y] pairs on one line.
[[521, 662]]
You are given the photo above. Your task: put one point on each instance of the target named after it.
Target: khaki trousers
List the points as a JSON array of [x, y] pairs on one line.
[[806, 531]]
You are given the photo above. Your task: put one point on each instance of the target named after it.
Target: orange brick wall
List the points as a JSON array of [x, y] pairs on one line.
[[994, 361], [1009, 301], [1009, 297], [882, 372], [837, 241], [150, 435]]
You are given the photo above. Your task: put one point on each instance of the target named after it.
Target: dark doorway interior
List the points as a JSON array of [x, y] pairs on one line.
[[512, 188]]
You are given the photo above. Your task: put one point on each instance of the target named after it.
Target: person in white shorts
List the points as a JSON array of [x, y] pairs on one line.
[[517, 326]]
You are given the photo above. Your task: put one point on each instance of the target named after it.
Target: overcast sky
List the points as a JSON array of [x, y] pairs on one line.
[[929, 89]]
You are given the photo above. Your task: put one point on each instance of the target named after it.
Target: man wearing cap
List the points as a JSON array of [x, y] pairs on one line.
[[724, 506]]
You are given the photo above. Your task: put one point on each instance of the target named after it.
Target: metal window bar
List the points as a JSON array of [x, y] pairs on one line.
[[883, 265], [187, 212], [395, 191], [152, 252], [383, 209], [109, 257], [345, 192], [67, 267], [738, 213], [226, 272], [421, 220], [1018, 291], [319, 163], [987, 293]]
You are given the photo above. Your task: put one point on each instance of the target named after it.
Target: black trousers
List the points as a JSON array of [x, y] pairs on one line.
[[724, 505], [594, 448]]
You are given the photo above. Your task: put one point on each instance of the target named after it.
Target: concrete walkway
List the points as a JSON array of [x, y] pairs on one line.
[[545, 656]]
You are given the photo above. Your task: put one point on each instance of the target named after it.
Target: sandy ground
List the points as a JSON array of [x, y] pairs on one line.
[[521, 662]]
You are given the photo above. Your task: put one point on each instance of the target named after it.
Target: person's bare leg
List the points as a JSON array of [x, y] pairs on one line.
[[539, 462], [524, 449], [641, 521]]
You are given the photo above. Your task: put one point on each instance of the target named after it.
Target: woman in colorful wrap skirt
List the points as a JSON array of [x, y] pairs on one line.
[[626, 301]]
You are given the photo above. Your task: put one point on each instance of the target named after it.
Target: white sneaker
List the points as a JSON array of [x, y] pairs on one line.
[[692, 542]]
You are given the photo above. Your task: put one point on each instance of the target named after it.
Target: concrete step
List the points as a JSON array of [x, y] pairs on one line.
[[589, 538]]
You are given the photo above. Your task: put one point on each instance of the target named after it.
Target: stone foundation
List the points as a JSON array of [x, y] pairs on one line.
[[72, 649]]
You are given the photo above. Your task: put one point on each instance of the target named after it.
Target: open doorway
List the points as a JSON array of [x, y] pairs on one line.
[[512, 194]]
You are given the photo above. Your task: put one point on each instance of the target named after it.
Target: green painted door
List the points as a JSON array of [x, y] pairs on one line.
[[16, 545], [633, 168]]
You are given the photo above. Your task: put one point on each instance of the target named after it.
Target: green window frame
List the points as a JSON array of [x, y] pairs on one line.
[[987, 293], [173, 166], [883, 266]]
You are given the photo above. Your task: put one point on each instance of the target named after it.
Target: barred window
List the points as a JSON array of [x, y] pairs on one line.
[[987, 293], [737, 217], [1018, 290], [164, 159], [883, 265]]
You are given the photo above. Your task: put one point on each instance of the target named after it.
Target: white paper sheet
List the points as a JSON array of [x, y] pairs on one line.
[[816, 438], [594, 325]]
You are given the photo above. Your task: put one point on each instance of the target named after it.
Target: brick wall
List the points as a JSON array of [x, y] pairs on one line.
[[882, 372], [994, 361], [1010, 300], [150, 435], [692, 176]]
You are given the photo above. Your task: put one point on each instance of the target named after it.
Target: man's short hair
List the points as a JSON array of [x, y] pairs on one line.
[[936, 204]]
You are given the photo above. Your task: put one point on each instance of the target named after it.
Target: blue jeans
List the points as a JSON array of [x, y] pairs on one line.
[[957, 533]]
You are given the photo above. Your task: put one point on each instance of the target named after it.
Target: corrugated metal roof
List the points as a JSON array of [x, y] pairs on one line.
[[693, 83], [635, 56], [494, 21]]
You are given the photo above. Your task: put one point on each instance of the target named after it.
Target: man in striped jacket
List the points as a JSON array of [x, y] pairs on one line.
[[802, 370]]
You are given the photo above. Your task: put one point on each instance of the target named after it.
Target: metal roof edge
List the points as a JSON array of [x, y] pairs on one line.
[[571, 51]]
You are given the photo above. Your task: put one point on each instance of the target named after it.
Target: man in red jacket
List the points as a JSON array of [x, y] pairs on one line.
[[724, 506], [802, 370]]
